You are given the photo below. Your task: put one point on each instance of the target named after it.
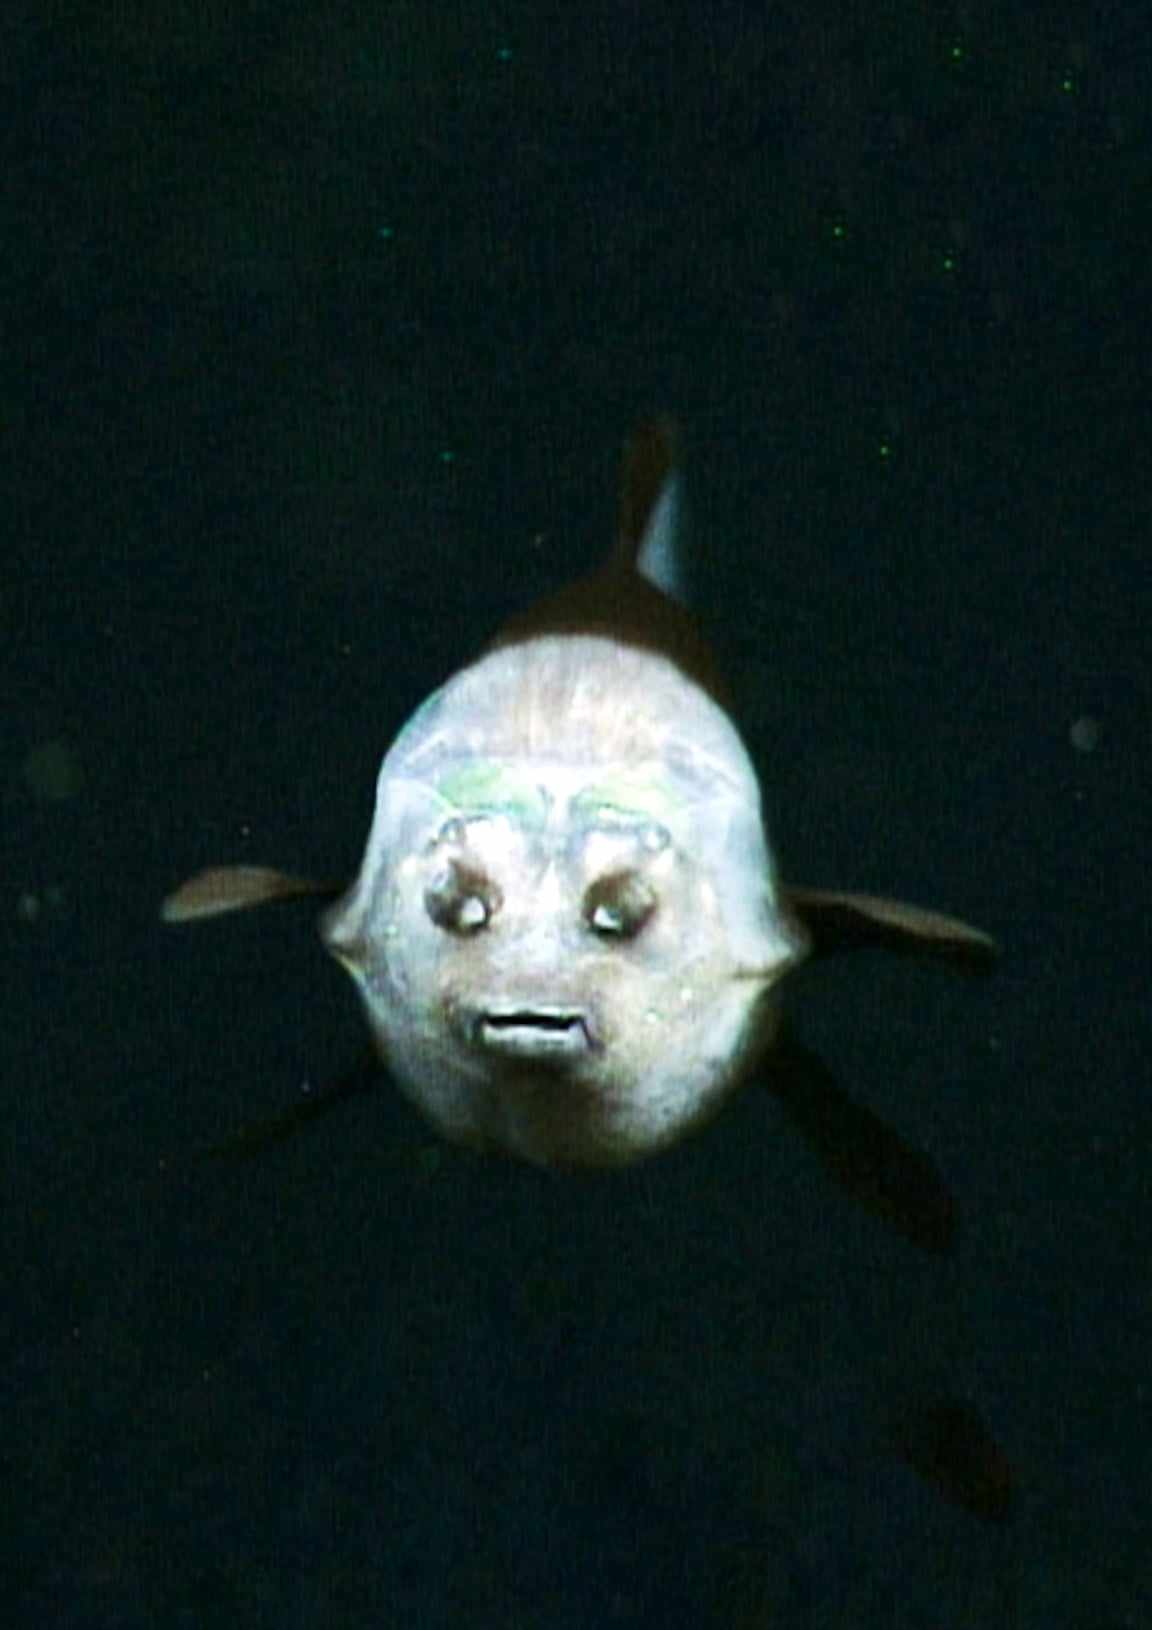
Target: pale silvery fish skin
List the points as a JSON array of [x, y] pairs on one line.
[[552, 795], [567, 931]]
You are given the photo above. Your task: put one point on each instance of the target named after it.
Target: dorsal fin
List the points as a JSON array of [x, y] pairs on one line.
[[648, 522], [636, 596]]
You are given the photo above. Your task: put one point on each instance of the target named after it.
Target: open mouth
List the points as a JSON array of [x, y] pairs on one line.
[[534, 1032]]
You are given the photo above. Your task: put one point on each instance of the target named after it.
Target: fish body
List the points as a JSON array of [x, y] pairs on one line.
[[567, 930]]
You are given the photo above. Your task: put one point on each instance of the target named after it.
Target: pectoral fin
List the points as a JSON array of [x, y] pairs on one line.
[[865, 1158], [836, 922], [255, 1138], [234, 888]]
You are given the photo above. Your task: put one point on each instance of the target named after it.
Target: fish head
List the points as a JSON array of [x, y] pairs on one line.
[[565, 931]]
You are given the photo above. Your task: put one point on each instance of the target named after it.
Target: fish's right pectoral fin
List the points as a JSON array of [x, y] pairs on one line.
[[218, 889]]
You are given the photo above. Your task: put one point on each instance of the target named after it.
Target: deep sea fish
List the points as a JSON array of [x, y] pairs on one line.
[[567, 931]]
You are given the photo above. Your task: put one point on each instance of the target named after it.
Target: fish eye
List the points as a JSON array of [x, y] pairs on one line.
[[461, 899], [619, 905]]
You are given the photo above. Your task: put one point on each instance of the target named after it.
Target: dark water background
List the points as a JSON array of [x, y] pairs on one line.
[[322, 326]]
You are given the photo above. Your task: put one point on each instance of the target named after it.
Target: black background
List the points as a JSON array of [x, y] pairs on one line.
[[322, 325]]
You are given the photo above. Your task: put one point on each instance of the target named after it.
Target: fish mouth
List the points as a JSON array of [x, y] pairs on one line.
[[534, 1032]]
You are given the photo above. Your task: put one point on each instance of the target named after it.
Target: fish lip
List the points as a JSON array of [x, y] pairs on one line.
[[534, 1031]]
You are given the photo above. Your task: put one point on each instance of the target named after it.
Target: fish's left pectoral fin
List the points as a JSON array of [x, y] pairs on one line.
[[865, 1158], [835, 922], [219, 889]]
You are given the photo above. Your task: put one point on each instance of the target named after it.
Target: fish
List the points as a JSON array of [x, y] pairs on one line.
[[568, 931]]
